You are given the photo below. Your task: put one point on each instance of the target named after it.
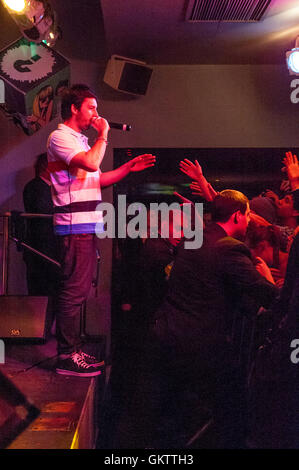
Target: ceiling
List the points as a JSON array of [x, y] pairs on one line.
[[157, 33]]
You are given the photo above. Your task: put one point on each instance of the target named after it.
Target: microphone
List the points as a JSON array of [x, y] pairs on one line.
[[121, 127]]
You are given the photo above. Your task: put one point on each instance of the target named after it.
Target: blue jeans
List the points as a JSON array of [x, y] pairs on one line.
[[77, 255]]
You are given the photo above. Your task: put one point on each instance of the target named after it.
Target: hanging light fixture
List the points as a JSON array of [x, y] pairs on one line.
[[17, 6], [36, 19], [292, 58]]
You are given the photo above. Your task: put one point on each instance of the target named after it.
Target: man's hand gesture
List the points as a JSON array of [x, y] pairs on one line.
[[142, 162]]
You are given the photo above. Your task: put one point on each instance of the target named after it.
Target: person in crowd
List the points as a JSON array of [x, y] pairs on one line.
[[286, 213], [147, 263], [264, 242], [264, 207], [273, 382], [76, 192], [292, 170], [144, 265], [286, 209], [42, 275], [188, 344], [156, 258]]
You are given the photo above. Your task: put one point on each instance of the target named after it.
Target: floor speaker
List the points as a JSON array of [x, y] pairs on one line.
[[23, 317], [16, 411]]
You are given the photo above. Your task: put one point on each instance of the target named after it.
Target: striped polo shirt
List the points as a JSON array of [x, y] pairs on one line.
[[76, 193]]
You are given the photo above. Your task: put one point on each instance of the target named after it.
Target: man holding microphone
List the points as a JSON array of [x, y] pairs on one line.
[[76, 192]]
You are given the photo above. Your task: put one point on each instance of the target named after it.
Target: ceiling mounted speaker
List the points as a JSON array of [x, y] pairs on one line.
[[127, 75]]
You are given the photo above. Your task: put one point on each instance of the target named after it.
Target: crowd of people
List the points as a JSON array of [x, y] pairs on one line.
[[247, 272], [188, 299]]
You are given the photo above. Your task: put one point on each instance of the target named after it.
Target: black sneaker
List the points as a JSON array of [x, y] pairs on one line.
[[92, 360], [75, 365]]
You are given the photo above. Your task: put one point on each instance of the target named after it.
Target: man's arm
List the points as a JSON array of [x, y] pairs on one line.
[[264, 270], [187, 201], [239, 272], [91, 160], [139, 163], [209, 194]]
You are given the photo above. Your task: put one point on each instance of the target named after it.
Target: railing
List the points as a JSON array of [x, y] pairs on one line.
[[7, 236]]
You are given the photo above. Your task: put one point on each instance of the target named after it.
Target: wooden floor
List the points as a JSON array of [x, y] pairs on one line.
[[67, 405]]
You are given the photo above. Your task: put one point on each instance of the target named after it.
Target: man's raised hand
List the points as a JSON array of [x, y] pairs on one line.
[[142, 162]]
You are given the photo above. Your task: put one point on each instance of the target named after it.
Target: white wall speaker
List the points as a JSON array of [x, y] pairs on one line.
[[127, 75]]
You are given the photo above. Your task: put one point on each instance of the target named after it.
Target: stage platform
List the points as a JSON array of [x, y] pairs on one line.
[[68, 406]]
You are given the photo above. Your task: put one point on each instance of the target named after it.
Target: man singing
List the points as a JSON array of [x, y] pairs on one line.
[[76, 192]]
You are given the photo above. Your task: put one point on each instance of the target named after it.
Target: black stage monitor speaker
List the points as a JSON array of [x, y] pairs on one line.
[[16, 411], [127, 75], [23, 317]]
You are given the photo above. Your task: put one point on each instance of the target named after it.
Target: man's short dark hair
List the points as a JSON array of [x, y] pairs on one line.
[[227, 203], [74, 95]]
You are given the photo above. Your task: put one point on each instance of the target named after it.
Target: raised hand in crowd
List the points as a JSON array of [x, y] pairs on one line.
[[292, 169], [197, 190], [194, 171], [271, 195], [285, 186]]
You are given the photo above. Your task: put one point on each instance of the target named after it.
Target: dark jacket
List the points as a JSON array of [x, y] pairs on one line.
[[206, 287]]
